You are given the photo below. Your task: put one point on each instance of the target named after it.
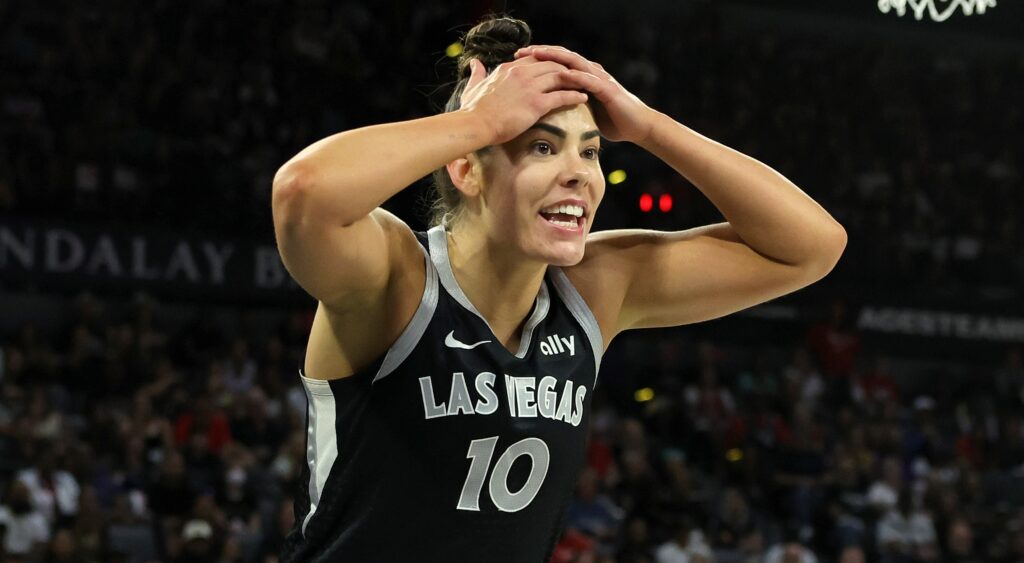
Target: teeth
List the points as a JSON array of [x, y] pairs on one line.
[[574, 210], [566, 224]]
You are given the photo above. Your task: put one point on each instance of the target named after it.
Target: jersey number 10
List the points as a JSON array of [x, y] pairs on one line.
[[481, 451]]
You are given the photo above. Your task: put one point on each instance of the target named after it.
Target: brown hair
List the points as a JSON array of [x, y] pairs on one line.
[[493, 41]]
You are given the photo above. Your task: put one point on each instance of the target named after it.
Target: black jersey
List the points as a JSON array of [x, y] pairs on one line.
[[449, 447]]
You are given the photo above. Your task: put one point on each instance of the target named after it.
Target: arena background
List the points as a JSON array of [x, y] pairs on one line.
[[150, 408]]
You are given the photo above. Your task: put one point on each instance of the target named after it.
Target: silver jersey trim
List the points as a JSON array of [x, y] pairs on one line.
[[402, 347], [321, 439], [579, 309], [438, 240]]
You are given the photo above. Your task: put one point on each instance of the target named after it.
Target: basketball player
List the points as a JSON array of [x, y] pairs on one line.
[[449, 373]]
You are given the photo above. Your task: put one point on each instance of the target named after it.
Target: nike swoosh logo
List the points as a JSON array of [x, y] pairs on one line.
[[451, 342]]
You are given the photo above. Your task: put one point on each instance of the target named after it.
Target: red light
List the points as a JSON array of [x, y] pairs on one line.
[[665, 203], [646, 203]]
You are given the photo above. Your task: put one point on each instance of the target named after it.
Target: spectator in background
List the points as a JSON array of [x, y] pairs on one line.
[[46, 422], [1015, 527], [905, 534], [253, 426], [171, 495], [635, 544], [884, 492], [52, 490], [591, 512], [864, 456], [803, 381], [236, 496], [240, 369], [40, 359], [686, 490], [685, 546], [1009, 379], [27, 530], [203, 421], [710, 405], [63, 549], [800, 470], [837, 344], [852, 554], [790, 550], [762, 380], [197, 543], [846, 503], [960, 543], [877, 383], [155, 432], [1009, 451], [90, 527], [273, 536], [733, 527]]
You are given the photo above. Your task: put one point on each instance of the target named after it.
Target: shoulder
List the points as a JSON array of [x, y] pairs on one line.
[[602, 277]]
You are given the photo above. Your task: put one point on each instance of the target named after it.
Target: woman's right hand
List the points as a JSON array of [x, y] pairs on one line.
[[516, 94]]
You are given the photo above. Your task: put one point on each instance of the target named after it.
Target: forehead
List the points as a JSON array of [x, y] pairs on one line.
[[573, 119]]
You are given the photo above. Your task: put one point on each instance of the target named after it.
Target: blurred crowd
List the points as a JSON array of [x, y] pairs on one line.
[[125, 439], [154, 114]]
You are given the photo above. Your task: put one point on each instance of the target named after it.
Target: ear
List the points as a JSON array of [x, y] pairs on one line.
[[465, 173]]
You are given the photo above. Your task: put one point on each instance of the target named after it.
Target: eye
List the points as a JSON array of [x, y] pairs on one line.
[[542, 144], [594, 153]]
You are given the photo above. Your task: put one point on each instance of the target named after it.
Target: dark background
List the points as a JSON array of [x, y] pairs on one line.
[[133, 136]]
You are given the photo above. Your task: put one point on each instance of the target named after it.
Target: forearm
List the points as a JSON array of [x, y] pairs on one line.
[[771, 214], [345, 176]]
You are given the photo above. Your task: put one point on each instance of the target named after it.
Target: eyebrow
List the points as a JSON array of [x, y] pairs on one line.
[[560, 133]]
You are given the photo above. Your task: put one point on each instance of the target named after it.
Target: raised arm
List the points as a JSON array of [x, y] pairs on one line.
[[776, 238], [333, 238]]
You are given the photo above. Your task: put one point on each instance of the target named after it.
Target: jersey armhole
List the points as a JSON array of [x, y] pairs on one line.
[[402, 347], [581, 311]]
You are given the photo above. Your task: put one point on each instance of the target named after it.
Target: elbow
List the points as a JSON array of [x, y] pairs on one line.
[[832, 248], [289, 181], [297, 197], [290, 194]]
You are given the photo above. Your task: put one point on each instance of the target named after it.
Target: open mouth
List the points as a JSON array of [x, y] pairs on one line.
[[563, 220], [564, 216]]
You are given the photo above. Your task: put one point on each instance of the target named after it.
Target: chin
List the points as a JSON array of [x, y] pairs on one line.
[[564, 257]]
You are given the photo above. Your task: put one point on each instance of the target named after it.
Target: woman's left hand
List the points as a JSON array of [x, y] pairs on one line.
[[620, 115]]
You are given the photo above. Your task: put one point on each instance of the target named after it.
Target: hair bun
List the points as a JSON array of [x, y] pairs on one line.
[[493, 41]]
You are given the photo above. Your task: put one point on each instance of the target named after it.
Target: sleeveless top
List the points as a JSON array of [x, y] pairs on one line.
[[449, 447]]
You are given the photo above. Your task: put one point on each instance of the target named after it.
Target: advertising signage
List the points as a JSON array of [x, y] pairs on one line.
[[63, 256]]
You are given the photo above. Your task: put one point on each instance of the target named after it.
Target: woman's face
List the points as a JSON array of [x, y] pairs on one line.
[[528, 179]]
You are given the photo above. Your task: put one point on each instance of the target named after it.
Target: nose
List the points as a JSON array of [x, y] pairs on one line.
[[576, 172]]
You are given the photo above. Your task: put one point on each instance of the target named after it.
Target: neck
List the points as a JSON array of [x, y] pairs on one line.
[[502, 285]]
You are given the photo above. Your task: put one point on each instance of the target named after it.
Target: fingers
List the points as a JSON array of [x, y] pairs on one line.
[[534, 67], [600, 89], [478, 72], [586, 81], [528, 68], [553, 100], [564, 56], [474, 77], [569, 80]]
